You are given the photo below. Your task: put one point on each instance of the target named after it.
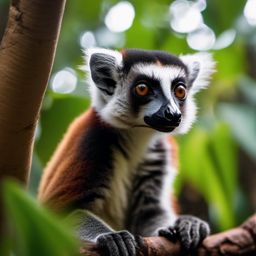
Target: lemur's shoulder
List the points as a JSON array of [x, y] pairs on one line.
[[52, 181]]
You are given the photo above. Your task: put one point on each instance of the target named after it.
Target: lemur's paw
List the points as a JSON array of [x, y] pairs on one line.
[[170, 233], [191, 231], [120, 243]]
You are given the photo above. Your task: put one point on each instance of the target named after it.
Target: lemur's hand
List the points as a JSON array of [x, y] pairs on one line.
[[188, 230], [120, 243]]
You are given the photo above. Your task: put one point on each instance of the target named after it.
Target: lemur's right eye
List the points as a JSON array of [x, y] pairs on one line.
[[142, 90]]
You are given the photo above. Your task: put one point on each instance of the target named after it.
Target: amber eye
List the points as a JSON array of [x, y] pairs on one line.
[[180, 92], [142, 90]]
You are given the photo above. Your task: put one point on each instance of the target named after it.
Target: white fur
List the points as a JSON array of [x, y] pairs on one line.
[[168, 185], [206, 68]]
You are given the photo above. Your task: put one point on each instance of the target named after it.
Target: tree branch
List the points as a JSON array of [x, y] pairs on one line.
[[237, 241]]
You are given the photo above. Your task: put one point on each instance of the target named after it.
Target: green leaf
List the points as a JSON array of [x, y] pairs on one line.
[[224, 154], [199, 168], [242, 121], [34, 230]]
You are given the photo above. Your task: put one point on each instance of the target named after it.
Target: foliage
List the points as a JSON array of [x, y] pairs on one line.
[[208, 154], [33, 230]]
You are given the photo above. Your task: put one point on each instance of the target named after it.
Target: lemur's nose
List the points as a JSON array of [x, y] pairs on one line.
[[174, 117]]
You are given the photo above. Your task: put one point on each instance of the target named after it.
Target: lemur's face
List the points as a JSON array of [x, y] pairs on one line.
[[137, 88]]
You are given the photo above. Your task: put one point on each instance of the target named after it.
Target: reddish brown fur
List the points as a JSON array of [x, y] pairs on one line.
[[175, 162], [60, 186]]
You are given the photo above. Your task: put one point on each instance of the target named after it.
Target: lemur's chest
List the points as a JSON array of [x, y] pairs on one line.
[[113, 208]]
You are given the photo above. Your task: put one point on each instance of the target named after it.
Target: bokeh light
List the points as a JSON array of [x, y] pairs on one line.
[[120, 17], [108, 39], [185, 16], [64, 81], [87, 40], [250, 12], [202, 39], [225, 39]]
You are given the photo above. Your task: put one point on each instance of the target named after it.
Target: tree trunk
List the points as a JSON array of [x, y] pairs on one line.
[[26, 56]]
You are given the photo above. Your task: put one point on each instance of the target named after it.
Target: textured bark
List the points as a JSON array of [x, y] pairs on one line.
[[237, 241], [26, 55]]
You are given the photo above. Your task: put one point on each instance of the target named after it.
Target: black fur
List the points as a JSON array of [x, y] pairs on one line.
[[145, 206], [96, 152], [102, 68], [135, 56]]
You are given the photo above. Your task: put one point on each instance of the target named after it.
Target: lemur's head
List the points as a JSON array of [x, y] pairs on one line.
[[138, 88]]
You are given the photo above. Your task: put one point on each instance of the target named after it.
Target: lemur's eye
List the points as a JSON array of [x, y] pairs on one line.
[[142, 90], [180, 92]]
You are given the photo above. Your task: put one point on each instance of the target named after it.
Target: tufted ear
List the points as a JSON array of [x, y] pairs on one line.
[[200, 67], [103, 66]]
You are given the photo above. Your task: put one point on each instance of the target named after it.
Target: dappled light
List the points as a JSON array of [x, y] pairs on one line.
[[120, 17], [185, 16], [225, 39], [87, 40], [64, 81], [202, 39], [250, 12], [108, 39]]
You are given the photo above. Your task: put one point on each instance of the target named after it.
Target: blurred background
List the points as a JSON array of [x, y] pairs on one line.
[[217, 178]]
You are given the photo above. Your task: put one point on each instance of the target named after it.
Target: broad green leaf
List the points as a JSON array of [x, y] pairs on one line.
[[224, 155], [242, 121], [199, 168], [34, 230]]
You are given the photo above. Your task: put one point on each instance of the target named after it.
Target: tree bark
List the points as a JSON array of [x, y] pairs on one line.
[[27, 52], [237, 241]]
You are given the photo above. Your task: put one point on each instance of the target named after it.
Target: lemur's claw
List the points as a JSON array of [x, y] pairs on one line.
[[191, 231], [120, 243]]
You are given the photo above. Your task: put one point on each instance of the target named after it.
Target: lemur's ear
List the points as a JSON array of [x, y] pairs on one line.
[[103, 66], [200, 68]]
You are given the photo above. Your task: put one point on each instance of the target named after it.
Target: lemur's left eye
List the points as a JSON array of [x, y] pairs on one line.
[[142, 90], [180, 92]]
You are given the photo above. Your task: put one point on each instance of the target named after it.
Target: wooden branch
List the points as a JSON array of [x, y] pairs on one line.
[[237, 241]]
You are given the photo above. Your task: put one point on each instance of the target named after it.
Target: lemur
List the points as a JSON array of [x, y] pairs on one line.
[[118, 159]]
